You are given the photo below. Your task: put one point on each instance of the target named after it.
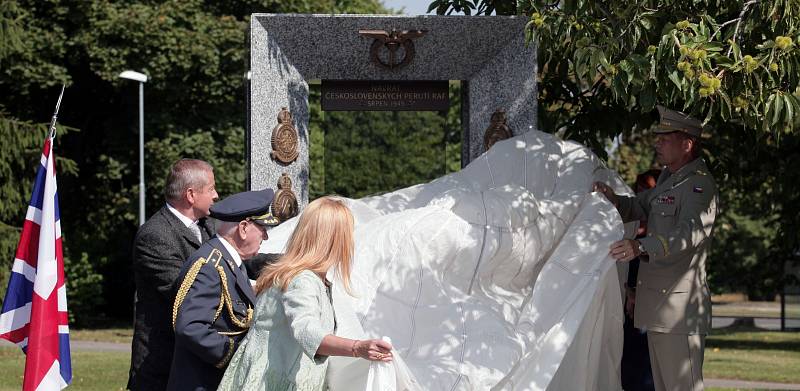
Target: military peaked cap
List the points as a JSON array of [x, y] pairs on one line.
[[247, 205], [675, 121]]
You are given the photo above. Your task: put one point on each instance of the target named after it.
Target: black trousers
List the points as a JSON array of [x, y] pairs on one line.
[[636, 372]]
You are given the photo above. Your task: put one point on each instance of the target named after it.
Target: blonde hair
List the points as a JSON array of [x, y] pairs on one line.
[[322, 239]]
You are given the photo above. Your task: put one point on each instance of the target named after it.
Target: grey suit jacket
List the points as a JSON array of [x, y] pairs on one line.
[[160, 248], [672, 294]]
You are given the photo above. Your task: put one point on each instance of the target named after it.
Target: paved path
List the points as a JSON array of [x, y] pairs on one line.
[[93, 346], [772, 324], [749, 385]]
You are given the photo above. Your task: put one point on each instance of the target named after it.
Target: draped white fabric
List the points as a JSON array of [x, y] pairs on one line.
[[493, 278]]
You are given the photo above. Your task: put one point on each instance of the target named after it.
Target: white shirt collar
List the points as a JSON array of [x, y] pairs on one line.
[[231, 250], [330, 275], [185, 220]]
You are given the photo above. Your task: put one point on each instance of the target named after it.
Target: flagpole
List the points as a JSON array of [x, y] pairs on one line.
[[141, 154], [34, 313], [55, 113]]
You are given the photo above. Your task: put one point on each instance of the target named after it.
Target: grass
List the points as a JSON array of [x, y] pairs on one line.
[[733, 389], [743, 354], [90, 370], [753, 355], [118, 335]]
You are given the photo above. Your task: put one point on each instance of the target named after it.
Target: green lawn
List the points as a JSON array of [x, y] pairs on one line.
[[118, 335], [733, 389], [730, 354], [753, 355], [106, 371]]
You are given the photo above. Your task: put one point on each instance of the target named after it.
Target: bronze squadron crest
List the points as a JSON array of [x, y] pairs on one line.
[[285, 206], [393, 41], [498, 129], [284, 138]]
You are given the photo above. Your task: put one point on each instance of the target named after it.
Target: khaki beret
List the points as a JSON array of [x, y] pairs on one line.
[[675, 121]]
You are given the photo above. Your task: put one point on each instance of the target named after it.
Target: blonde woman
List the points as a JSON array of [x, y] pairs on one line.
[[293, 329]]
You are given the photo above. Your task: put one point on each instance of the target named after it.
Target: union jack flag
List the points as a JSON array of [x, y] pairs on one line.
[[34, 314]]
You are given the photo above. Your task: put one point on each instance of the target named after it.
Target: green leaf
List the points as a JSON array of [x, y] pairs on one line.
[[646, 23], [776, 113], [603, 60], [647, 98], [723, 62], [789, 108], [639, 60], [580, 62], [768, 44], [702, 30], [675, 79], [768, 108], [710, 113], [737, 53], [725, 106], [627, 67]]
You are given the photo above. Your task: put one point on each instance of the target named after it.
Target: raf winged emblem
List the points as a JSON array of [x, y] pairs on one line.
[[399, 45]]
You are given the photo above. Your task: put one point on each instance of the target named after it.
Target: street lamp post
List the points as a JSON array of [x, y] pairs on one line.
[[141, 78]]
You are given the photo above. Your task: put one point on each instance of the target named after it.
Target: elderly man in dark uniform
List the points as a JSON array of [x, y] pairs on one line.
[[159, 250], [673, 301], [214, 304]]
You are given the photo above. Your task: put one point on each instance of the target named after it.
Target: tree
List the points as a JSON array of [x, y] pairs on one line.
[[20, 151], [194, 52], [604, 65]]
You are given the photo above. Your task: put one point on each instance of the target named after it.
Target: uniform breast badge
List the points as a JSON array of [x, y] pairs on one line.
[[665, 200]]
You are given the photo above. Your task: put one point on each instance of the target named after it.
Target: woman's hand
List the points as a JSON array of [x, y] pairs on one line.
[[373, 350]]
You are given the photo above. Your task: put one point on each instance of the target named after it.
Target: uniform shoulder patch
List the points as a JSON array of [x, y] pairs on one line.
[[214, 257]]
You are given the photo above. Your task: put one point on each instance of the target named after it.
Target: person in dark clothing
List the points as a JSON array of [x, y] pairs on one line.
[[160, 247], [255, 264], [636, 372]]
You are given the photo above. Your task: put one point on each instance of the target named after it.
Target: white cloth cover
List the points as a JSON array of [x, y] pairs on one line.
[[358, 374], [496, 277]]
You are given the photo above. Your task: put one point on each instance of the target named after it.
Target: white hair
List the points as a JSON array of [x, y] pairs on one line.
[[226, 229]]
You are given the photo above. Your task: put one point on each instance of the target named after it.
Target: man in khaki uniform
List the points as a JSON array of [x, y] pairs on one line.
[[672, 297]]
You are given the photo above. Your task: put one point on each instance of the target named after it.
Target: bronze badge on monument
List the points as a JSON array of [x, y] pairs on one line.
[[498, 130], [284, 206], [284, 139], [393, 41]]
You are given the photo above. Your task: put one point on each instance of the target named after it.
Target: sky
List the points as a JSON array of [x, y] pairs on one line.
[[412, 7]]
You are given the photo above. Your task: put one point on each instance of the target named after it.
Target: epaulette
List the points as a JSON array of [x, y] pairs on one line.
[[215, 256]]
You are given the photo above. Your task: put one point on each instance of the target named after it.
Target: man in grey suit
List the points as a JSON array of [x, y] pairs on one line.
[[160, 248], [673, 301]]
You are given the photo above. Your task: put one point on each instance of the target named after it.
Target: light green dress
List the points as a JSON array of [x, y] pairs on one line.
[[278, 352]]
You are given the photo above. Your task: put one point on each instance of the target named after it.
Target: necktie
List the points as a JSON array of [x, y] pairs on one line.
[[203, 229], [196, 231]]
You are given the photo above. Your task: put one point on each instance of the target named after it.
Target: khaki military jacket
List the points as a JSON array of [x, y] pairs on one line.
[[672, 294]]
